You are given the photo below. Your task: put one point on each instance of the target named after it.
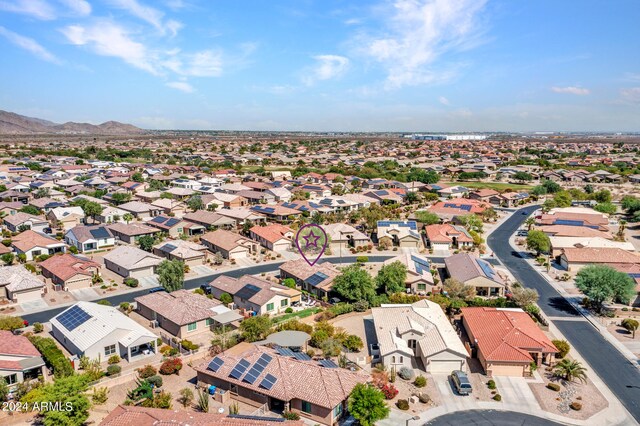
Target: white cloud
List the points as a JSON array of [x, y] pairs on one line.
[[572, 90], [444, 101], [206, 63], [29, 44], [78, 7], [38, 9], [420, 32], [109, 39], [326, 68], [631, 95], [353, 21], [180, 85], [148, 14]]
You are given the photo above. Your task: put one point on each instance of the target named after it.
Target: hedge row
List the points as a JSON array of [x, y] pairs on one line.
[[53, 356]]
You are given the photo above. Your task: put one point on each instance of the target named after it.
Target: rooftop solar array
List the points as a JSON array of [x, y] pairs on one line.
[[215, 364], [168, 247], [634, 275], [409, 224], [73, 317], [239, 369], [257, 369], [99, 233], [268, 382], [327, 363], [173, 221], [465, 207], [422, 265], [158, 219], [284, 351], [246, 417], [248, 291], [316, 278], [486, 268]]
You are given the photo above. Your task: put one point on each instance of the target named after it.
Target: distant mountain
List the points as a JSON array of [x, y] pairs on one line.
[[16, 124]]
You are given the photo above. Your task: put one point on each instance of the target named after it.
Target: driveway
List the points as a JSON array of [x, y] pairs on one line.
[[36, 304], [516, 390], [202, 270], [85, 294], [490, 418], [148, 282], [621, 376]]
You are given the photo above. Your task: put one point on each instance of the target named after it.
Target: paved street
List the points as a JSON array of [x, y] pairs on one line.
[[489, 418], [622, 377]]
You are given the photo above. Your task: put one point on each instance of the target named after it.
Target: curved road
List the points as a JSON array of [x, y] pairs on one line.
[[489, 418], [620, 374]]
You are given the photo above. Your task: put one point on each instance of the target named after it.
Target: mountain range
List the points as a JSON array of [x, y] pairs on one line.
[[16, 124]]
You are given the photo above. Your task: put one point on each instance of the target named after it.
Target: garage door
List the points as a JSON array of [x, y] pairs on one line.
[[443, 367], [507, 370]]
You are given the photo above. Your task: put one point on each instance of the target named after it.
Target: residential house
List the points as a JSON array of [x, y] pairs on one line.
[[255, 295], [21, 221], [573, 259], [399, 233], [506, 341], [574, 231], [229, 244], [70, 272], [419, 277], [575, 216], [170, 206], [274, 237], [20, 361], [19, 285], [478, 273], [316, 279], [418, 336], [111, 215], [190, 253], [172, 226], [223, 200], [131, 262], [458, 207], [345, 237], [141, 210], [184, 314], [33, 244], [277, 213], [446, 237], [483, 194], [89, 238], [65, 217], [98, 332], [132, 232], [210, 220], [317, 393], [560, 243]]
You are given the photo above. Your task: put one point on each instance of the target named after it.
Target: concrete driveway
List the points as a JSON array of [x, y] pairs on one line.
[[85, 294], [148, 282], [516, 390], [34, 305], [450, 398]]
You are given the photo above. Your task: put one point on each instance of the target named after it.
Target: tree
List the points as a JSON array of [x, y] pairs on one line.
[[458, 290], [355, 283], [289, 282], [92, 209], [551, 187], [562, 346], [524, 296], [120, 198], [195, 203], [522, 176], [30, 210], [4, 389], [562, 199], [146, 242], [539, 191], [530, 222], [186, 397], [8, 258], [367, 404], [606, 207], [471, 222], [569, 370], [630, 325], [255, 328], [392, 277], [427, 217], [603, 283], [226, 298], [137, 177], [171, 275], [602, 196], [64, 391], [411, 197], [489, 214], [128, 217], [10, 323], [538, 241]]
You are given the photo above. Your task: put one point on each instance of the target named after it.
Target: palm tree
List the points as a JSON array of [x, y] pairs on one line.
[[530, 222], [569, 370]]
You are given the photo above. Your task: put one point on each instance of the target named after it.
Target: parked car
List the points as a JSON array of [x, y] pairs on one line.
[[206, 288], [156, 289], [334, 300], [522, 233], [461, 382]]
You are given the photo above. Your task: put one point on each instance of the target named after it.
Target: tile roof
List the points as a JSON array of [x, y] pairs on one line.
[[458, 206], [506, 334], [11, 344], [339, 232], [132, 258], [600, 255], [181, 307], [29, 239], [573, 231], [85, 233], [19, 218], [465, 267], [17, 278], [132, 229], [142, 416], [445, 233], [272, 233], [324, 387], [68, 265], [226, 240], [267, 289], [300, 269]]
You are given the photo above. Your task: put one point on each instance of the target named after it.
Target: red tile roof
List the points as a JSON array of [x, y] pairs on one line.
[[68, 265], [506, 335], [272, 233], [445, 233]]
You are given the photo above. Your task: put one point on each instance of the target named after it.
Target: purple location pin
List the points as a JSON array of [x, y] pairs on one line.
[[311, 241]]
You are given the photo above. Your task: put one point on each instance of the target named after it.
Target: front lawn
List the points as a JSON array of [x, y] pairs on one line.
[[300, 314]]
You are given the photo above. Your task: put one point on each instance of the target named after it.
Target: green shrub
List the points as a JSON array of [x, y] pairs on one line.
[[113, 369], [291, 415], [6, 242], [491, 384], [189, 345], [563, 347], [131, 282], [402, 404], [156, 381], [104, 302], [38, 327], [405, 373], [497, 397], [424, 398], [73, 250], [361, 306], [147, 371], [553, 386], [42, 257], [362, 259], [171, 366], [114, 359], [576, 406], [420, 381], [353, 343], [52, 355], [31, 268], [289, 310], [341, 309]]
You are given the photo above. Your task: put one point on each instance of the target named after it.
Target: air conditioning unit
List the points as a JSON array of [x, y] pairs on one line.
[[154, 324]]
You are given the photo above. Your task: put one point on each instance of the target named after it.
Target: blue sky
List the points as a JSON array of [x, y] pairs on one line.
[[325, 65]]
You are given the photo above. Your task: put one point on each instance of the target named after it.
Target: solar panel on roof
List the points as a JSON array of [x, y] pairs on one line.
[[284, 351], [268, 382], [327, 363], [239, 369], [486, 268], [248, 291], [257, 368], [169, 247], [316, 278], [158, 219], [301, 356], [569, 222], [73, 317], [215, 364], [99, 233], [172, 222]]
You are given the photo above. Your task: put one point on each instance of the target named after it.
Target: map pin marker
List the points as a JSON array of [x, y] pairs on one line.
[[311, 241]]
